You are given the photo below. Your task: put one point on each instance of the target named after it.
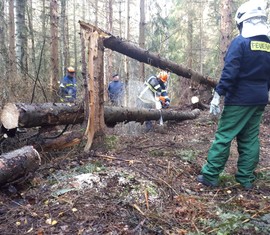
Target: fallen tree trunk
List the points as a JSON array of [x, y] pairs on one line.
[[114, 115], [133, 51], [52, 114], [139, 54], [18, 163], [45, 114]]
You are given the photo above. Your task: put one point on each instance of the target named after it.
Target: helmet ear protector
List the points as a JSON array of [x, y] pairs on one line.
[[240, 26]]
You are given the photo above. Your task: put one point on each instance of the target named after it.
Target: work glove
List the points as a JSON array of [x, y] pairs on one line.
[[165, 105], [158, 105], [214, 105]]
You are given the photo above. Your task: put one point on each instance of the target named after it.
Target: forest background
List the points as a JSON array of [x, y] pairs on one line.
[[39, 39], [139, 183]]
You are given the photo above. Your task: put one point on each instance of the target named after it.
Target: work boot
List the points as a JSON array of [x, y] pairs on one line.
[[205, 182], [247, 186]]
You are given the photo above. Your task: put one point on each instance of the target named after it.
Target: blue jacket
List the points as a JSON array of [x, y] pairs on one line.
[[245, 79], [116, 91], [68, 89]]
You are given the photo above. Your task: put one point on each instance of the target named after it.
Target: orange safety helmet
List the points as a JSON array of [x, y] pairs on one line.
[[71, 70], [163, 75]]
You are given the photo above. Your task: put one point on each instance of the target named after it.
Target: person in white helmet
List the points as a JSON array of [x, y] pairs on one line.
[[245, 83]]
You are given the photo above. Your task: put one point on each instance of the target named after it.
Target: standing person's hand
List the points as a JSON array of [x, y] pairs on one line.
[[214, 105]]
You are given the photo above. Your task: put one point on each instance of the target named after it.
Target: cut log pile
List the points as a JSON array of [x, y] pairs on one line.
[[18, 163]]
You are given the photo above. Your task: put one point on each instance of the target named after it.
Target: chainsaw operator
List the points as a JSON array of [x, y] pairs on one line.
[[154, 94], [154, 91]]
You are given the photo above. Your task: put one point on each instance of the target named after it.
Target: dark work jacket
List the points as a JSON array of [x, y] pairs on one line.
[[116, 91], [245, 79], [157, 86], [68, 89]]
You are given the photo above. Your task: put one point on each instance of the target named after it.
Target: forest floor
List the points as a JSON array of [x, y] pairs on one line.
[[140, 183]]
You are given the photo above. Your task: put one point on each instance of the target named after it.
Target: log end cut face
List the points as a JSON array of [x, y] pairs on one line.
[[10, 116]]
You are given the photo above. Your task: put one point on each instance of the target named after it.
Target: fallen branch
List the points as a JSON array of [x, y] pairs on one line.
[[119, 159]]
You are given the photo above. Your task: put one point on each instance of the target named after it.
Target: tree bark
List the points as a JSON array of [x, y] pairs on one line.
[[11, 48], [18, 163], [142, 37], [135, 52], [46, 114], [54, 50], [114, 115], [139, 54], [52, 114], [21, 37]]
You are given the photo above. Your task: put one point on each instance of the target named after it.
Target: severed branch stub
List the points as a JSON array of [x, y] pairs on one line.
[[197, 104]]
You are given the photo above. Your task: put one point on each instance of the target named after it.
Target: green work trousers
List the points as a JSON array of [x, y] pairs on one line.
[[242, 122]]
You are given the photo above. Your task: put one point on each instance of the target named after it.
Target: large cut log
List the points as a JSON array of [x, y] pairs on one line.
[[114, 115], [18, 163], [133, 51], [52, 114], [45, 114]]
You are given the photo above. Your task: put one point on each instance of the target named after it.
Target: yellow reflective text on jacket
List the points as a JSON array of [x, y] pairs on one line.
[[260, 46]]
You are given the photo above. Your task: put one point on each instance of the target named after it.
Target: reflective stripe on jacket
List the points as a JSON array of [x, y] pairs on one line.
[[68, 88]]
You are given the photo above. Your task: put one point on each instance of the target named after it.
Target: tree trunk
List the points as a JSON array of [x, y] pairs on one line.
[[63, 41], [114, 115], [126, 59], [11, 33], [32, 66], [18, 163], [54, 50], [110, 29], [75, 36], [46, 114], [141, 55], [142, 37], [21, 37], [226, 28], [52, 114]]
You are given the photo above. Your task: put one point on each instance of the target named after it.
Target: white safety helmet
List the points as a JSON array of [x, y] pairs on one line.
[[250, 9], [251, 18]]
